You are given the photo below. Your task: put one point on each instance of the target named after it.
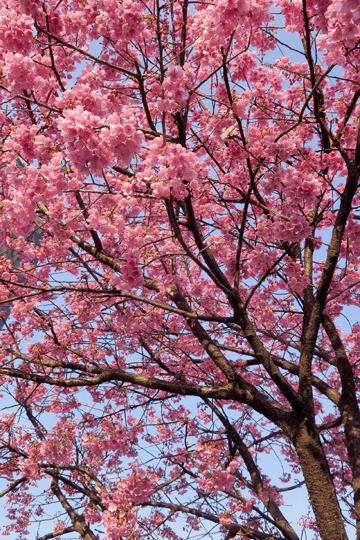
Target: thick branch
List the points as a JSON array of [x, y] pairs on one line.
[[280, 521], [77, 520], [349, 409]]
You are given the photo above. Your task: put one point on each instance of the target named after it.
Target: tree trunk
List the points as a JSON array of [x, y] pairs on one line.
[[319, 483]]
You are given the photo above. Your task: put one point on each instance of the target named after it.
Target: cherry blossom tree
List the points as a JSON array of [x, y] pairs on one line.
[[178, 329]]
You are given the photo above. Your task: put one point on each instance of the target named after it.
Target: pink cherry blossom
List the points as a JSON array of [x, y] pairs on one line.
[[179, 269]]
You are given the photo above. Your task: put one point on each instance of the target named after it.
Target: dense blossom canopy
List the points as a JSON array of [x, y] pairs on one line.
[[178, 186]]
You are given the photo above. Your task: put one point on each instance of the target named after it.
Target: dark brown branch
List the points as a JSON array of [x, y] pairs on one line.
[[234, 527], [84, 53], [77, 520], [256, 481], [13, 486], [349, 408], [60, 532]]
